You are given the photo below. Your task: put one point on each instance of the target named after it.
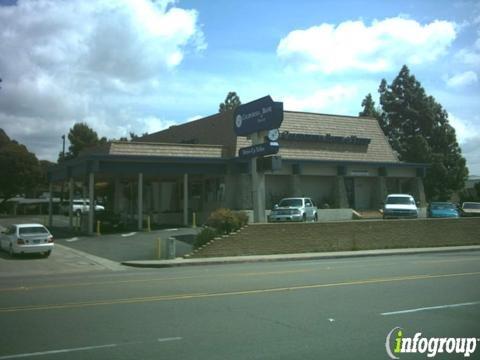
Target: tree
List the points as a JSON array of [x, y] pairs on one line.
[[81, 137], [19, 169], [369, 109], [418, 129], [231, 102]]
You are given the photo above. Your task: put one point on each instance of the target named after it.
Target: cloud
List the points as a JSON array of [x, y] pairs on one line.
[[468, 136], [332, 100], [353, 45], [103, 62], [463, 79]]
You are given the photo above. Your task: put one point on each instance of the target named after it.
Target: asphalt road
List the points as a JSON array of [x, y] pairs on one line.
[[335, 309]]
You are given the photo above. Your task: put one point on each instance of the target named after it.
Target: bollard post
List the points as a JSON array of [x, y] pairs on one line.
[[98, 228], [149, 229], [171, 251], [45, 221], [194, 220], [158, 251]]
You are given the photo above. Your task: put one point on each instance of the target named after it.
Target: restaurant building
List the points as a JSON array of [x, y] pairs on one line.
[[341, 162]]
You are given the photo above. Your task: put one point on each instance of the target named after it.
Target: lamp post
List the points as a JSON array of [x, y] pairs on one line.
[[63, 159]]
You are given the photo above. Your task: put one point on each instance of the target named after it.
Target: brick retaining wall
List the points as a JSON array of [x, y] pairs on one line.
[[264, 239]]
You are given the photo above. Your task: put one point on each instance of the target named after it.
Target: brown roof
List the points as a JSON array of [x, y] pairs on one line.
[[378, 150], [165, 149], [218, 129]]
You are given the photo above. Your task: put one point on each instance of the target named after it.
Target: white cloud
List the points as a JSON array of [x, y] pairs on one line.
[[463, 79], [154, 124], [331, 100], [469, 57], [93, 61], [465, 129], [352, 45]]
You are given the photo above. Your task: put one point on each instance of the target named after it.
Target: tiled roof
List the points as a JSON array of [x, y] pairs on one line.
[[165, 149], [378, 150]]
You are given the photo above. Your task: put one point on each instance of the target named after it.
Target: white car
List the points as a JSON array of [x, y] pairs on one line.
[[26, 239], [400, 206], [79, 206], [294, 209]]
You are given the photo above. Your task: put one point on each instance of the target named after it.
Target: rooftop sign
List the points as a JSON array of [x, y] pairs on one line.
[[345, 140], [257, 115]]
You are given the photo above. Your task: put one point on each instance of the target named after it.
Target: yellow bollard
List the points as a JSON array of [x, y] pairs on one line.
[[149, 229], [159, 248], [98, 228], [194, 220]]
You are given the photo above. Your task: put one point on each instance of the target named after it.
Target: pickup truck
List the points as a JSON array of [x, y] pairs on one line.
[[79, 206]]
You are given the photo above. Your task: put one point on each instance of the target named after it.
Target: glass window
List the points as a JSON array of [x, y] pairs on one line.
[[32, 230]]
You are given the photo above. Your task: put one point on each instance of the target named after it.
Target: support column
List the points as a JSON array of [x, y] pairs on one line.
[[91, 197], [50, 205], [258, 186], [296, 186], [140, 201], [118, 196], [341, 200], [420, 191], [70, 203], [185, 199]]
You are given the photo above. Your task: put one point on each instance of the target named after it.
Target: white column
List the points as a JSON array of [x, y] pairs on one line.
[[185, 199], [70, 202], [140, 201], [91, 197], [50, 205]]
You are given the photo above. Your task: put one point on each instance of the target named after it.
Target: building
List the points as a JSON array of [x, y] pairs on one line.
[[338, 161]]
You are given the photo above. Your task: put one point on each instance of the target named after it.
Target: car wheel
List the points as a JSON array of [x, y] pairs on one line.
[[47, 253], [304, 219], [315, 219], [78, 213]]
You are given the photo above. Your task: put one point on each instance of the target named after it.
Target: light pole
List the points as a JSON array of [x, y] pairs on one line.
[[63, 159]]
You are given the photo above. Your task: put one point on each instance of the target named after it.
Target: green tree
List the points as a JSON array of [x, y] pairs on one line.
[[19, 169], [81, 137], [231, 102], [419, 131], [369, 109]]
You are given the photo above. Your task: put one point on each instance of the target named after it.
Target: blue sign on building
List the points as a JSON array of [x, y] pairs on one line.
[[257, 115], [268, 148]]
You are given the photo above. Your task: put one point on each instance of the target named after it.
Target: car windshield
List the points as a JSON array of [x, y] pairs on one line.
[[291, 203], [32, 230], [400, 200], [442, 206], [471, 205]]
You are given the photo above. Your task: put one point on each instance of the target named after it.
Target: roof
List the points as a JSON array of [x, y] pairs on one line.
[[118, 148], [378, 150]]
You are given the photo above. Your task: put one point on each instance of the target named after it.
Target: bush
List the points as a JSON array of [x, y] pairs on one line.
[[226, 221], [204, 236]]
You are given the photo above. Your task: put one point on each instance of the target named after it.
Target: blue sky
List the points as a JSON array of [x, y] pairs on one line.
[[142, 66]]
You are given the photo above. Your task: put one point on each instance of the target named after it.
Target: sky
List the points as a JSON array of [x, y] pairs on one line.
[[140, 66]]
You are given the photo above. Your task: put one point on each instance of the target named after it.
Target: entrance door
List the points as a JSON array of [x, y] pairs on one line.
[[350, 189]]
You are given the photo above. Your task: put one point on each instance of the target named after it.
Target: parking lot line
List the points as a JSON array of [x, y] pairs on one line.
[[430, 308]]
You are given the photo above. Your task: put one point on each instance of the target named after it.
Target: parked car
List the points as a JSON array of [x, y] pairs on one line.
[[27, 239], [442, 210], [470, 209], [79, 206], [294, 209], [400, 206]]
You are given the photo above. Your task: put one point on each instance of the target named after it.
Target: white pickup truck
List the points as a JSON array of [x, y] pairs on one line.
[[79, 206]]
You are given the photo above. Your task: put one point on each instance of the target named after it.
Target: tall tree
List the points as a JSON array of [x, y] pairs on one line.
[[369, 108], [419, 131], [81, 137], [19, 169], [231, 102]]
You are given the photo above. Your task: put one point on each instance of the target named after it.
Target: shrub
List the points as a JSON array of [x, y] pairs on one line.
[[204, 236], [226, 220]]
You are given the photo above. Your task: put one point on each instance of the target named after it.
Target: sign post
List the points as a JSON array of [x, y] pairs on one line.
[[256, 118]]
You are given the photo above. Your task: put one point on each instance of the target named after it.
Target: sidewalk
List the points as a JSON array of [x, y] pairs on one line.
[[293, 257]]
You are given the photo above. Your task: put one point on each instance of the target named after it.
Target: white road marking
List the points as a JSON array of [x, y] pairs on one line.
[[171, 229], [72, 239], [430, 308], [85, 348], [331, 320], [169, 339], [17, 356], [129, 234]]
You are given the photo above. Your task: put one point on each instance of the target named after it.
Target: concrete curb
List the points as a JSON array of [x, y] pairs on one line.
[[295, 257]]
